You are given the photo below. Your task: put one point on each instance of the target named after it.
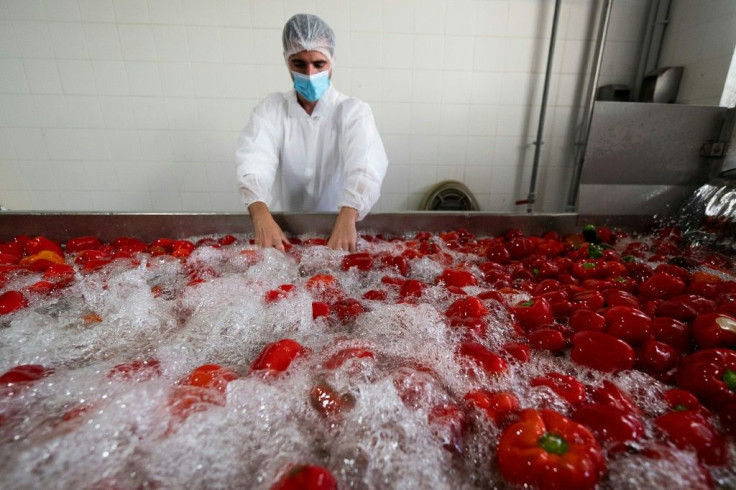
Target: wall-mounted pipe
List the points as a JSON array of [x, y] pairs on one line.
[[582, 142], [659, 13], [531, 199]]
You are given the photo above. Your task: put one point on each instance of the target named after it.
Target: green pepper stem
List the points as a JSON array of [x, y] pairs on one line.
[[729, 377], [553, 443]]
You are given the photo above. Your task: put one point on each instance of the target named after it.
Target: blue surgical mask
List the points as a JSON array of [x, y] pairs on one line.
[[312, 87]]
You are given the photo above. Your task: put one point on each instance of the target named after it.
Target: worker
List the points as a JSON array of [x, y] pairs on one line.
[[311, 149]]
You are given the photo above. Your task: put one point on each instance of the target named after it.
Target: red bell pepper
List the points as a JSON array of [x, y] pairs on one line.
[[715, 330], [306, 477], [587, 299], [480, 356], [519, 247], [628, 324], [601, 351], [620, 297], [610, 394], [11, 301], [685, 307], [691, 429], [136, 370], [457, 277], [320, 309], [496, 406], [662, 286], [39, 244], [397, 262], [212, 376], [24, 373], [547, 337], [548, 451], [77, 244], [328, 402], [710, 375], [470, 306], [347, 309], [533, 313], [448, 424], [359, 260], [587, 320], [657, 357], [609, 423], [518, 351], [277, 356], [411, 288], [672, 332], [565, 386], [342, 356], [274, 295]]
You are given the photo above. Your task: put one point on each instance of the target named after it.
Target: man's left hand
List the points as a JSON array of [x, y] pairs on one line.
[[344, 234]]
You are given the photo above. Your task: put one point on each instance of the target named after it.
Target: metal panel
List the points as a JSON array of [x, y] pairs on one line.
[[662, 200], [649, 144], [148, 227]]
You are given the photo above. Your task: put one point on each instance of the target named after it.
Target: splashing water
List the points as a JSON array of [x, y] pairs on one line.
[[83, 427], [708, 217]]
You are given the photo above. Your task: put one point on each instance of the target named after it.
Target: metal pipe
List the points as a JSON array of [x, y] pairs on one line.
[[658, 19], [582, 143], [543, 111]]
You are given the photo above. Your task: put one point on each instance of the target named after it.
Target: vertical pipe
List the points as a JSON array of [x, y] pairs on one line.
[[582, 143], [542, 112]]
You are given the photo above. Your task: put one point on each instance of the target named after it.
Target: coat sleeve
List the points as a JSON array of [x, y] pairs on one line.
[[257, 156], [364, 156]]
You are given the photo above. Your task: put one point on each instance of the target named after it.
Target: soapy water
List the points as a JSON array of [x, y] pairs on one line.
[[80, 427]]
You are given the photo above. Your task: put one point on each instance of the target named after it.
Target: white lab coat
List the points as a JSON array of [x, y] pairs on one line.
[[296, 162]]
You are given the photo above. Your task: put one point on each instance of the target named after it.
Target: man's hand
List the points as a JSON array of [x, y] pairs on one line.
[[267, 233], [344, 235]]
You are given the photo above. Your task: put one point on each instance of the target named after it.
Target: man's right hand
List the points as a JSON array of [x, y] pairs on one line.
[[267, 232]]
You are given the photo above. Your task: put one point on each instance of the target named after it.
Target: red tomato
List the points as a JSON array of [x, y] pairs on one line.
[[602, 351]]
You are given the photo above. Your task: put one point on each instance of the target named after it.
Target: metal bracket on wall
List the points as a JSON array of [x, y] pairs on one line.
[[718, 147], [714, 149]]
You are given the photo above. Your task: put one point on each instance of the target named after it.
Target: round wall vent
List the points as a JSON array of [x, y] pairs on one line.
[[449, 195]]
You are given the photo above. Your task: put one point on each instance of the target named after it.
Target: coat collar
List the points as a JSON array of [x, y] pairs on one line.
[[323, 107]]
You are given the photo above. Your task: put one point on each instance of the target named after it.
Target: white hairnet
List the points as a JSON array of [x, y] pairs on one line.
[[307, 32]]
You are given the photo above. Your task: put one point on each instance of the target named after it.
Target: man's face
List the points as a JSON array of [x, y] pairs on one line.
[[309, 62]]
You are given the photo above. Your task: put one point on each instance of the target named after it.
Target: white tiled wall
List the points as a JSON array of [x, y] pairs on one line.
[[701, 40], [135, 105]]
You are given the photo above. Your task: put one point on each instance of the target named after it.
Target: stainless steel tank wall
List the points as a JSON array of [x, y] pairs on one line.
[[148, 226]]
